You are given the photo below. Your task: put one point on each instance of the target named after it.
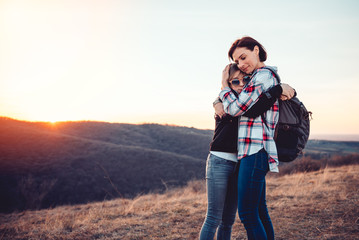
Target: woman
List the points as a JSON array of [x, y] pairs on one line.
[[256, 148], [221, 174]]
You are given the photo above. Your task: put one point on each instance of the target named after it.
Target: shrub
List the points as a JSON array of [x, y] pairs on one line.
[[336, 161], [305, 164], [308, 164]]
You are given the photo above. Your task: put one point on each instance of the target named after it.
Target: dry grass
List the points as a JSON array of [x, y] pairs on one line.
[[316, 205]]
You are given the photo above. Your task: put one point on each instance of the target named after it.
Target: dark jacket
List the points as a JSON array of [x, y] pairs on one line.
[[225, 135]]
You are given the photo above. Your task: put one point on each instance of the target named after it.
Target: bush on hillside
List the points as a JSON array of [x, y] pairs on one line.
[[336, 161], [308, 164], [305, 164]]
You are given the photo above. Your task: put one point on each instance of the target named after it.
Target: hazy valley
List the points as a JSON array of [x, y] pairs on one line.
[[45, 165]]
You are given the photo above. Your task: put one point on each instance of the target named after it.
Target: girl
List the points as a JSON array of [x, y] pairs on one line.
[[221, 174]]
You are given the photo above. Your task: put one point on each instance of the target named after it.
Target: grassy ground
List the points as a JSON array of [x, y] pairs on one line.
[[315, 205]]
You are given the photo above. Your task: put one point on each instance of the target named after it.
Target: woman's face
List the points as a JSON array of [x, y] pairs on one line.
[[236, 81], [247, 60]]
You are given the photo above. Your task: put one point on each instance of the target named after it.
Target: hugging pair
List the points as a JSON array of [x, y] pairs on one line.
[[243, 150]]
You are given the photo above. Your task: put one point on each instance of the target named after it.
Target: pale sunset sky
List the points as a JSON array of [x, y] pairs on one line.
[[160, 61]]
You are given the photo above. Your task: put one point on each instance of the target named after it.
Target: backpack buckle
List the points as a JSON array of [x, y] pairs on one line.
[[286, 127]]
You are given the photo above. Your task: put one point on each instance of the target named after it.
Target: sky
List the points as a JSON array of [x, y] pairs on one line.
[[160, 61]]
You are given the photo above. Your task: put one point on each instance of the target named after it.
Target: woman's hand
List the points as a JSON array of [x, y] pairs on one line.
[[287, 93], [218, 109], [225, 76]]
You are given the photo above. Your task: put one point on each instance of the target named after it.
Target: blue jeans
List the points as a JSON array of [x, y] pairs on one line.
[[221, 179], [252, 207]]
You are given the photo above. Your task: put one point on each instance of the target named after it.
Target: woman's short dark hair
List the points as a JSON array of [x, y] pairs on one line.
[[248, 43]]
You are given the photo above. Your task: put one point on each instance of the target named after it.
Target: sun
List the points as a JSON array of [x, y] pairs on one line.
[[53, 121]]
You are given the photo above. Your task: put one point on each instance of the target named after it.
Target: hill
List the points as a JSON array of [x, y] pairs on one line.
[[323, 148], [45, 165], [316, 205]]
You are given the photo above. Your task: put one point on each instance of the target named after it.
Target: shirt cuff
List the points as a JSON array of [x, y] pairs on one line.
[[273, 167], [223, 92], [218, 100]]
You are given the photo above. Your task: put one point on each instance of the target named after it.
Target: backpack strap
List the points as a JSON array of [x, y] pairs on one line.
[[278, 79], [273, 72]]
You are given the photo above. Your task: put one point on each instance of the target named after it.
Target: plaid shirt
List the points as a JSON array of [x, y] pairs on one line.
[[254, 133]]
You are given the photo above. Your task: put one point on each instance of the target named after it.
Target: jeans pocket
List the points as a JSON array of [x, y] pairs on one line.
[[261, 165], [218, 167]]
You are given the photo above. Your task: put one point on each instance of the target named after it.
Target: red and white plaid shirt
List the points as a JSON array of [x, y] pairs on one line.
[[254, 134]]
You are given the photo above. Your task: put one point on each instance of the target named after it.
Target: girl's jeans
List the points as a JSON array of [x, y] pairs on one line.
[[222, 196], [252, 208]]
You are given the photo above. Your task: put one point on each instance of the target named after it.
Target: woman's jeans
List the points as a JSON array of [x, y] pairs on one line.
[[252, 208], [221, 178]]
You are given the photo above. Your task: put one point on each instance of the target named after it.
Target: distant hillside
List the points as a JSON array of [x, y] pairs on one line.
[[44, 165], [335, 137], [323, 148]]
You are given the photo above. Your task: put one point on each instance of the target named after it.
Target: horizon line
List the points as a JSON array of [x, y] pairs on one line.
[[313, 136]]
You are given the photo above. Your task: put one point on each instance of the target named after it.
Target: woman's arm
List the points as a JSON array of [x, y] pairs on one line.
[[261, 81], [264, 103]]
